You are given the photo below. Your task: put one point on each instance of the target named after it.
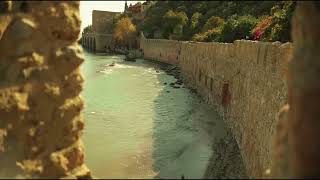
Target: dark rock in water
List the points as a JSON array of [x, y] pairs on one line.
[[194, 91], [132, 55], [165, 83], [168, 91], [171, 84], [179, 82], [176, 87], [227, 162], [157, 71], [173, 67], [130, 59]]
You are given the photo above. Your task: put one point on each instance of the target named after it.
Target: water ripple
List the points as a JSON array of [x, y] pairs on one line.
[[138, 128]]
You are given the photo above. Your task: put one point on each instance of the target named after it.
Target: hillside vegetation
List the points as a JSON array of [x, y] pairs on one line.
[[221, 21], [207, 21]]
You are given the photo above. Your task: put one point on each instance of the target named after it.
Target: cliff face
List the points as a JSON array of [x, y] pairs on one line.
[[244, 80], [40, 106]]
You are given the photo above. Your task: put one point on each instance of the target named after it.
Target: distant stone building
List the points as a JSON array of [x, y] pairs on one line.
[[101, 36]]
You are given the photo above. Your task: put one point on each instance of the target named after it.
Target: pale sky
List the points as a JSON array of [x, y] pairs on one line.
[[86, 8]]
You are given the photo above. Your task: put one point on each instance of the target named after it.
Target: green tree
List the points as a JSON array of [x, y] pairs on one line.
[[208, 36], [88, 29], [213, 22], [154, 19], [182, 9], [195, 20], [201, 19], [279, 30], [125, 32], [237, 28], [174, 22]]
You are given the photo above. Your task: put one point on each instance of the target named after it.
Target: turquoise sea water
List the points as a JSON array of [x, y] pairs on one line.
[[139, 127]]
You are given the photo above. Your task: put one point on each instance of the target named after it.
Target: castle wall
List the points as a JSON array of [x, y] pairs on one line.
[[244, 80], [103, 41]]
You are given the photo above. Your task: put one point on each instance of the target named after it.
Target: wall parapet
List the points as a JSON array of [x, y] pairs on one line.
[[244, 80]]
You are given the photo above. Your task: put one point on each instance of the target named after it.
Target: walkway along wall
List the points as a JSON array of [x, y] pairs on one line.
[[244, 80]]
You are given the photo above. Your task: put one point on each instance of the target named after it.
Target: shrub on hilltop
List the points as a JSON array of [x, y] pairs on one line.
[[222, 21]]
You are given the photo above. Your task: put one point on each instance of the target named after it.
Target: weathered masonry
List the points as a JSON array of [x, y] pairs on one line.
[[40, 82], [244, 80], [249, 82], [101, 37]]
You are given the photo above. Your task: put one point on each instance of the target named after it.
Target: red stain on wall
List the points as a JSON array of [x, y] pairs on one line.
[[226, 96]]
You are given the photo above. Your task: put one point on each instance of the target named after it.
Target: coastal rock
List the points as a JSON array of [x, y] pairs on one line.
[[226, 161], [133, 54], [112, 64]]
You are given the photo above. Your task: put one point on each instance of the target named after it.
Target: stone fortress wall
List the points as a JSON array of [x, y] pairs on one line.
[[244, 80], [101, 38], [40, 82]]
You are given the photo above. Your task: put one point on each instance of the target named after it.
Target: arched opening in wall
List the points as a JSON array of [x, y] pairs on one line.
[[205, 81], [94, 44], [199, 76], [91, 43], [87, 42]]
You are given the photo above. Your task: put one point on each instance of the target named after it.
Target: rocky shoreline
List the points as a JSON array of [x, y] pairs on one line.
[[175, 71], [226, 161]]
